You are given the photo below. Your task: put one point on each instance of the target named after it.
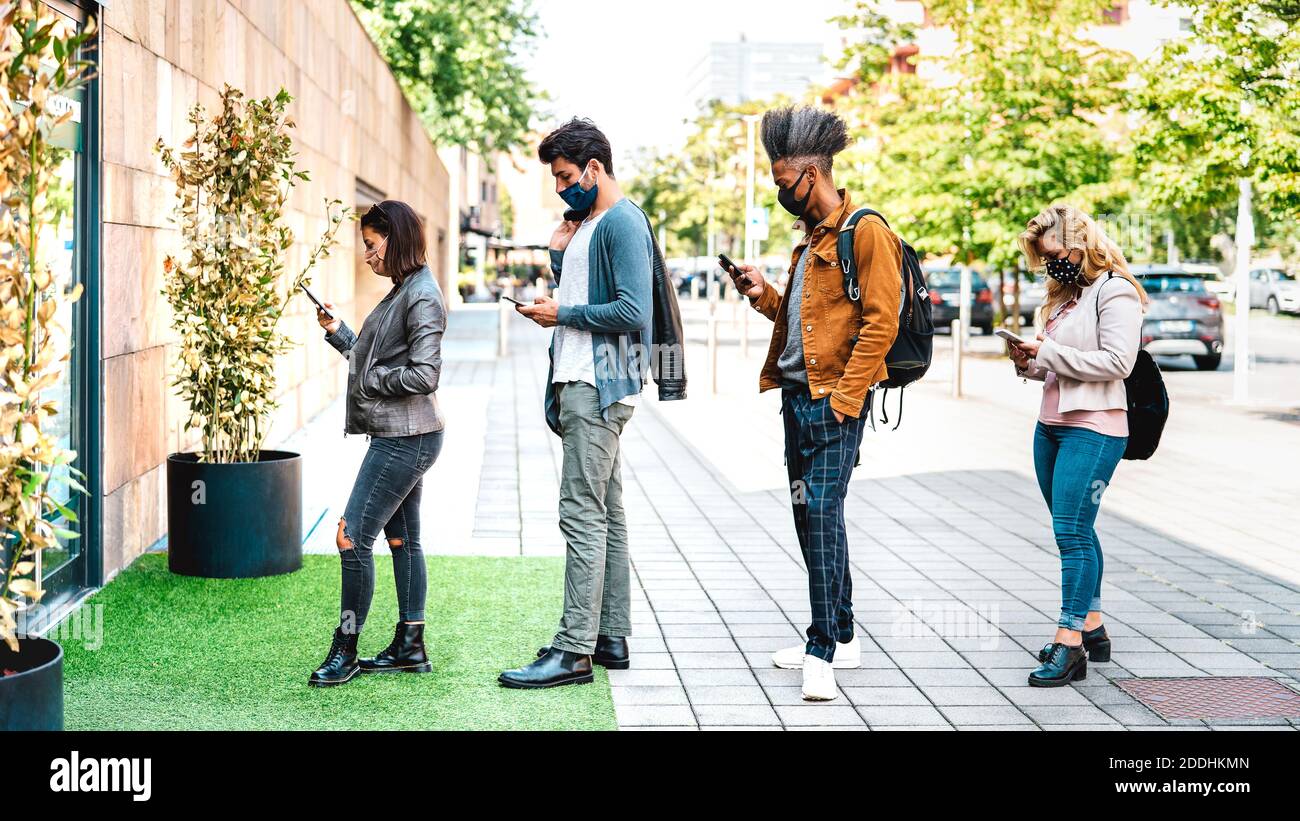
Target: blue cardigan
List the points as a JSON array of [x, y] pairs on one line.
[[618, 310]]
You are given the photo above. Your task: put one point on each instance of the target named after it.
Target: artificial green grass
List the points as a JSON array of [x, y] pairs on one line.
[[186, 653]]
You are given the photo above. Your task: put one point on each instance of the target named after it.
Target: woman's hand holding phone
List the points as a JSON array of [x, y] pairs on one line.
[[327, 322]]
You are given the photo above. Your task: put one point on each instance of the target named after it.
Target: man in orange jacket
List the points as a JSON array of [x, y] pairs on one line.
[[827, 352]]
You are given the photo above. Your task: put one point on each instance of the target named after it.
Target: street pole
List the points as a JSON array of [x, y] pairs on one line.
[[956, 331], [750, 119], [1241, 349]]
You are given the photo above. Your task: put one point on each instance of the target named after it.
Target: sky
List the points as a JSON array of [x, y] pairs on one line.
[[624, 63]]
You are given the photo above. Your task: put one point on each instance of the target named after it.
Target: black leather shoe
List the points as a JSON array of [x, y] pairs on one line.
[[556, 668], [340, 665], [1096, 642], [405, 654], [1064, 664], [611, 653]]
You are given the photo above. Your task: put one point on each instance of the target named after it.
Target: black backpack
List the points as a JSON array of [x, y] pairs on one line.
[[909, 357], [1148, 401]]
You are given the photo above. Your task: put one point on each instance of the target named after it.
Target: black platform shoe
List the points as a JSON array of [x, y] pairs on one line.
[[1096, 642], [340, 665], [611, 653], [556, 668], [1064, 664], [405, 654]]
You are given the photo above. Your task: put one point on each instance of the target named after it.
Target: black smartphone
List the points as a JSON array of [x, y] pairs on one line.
[[512, 299], [741, 280], [319, 304]]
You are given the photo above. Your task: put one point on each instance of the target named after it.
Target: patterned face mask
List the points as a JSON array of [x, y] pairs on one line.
[[1064, 271]]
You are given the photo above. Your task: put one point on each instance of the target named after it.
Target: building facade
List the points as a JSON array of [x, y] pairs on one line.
[[357, 138], [741, 71]]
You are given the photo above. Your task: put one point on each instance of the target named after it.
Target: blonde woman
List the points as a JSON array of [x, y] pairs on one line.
[[1092, 322]]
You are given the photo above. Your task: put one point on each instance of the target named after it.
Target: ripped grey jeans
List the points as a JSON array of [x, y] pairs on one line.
[[386, 495]]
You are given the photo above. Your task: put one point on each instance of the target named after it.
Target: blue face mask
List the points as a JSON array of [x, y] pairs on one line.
[[577, 198]]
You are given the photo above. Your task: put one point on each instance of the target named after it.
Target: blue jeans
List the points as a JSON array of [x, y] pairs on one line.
[[1074, 466], [386, 495]]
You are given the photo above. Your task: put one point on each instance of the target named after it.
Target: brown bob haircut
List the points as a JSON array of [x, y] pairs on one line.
[[404, 251]]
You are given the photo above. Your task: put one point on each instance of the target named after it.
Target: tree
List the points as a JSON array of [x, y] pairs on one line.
[[1221, 105], [458, 62], [1015, 122], [682, 183]]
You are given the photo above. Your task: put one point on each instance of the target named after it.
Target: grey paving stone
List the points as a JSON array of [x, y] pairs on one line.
[[709, 661], [736, 715], [643, 715], [682, 644], [887, 696], [719, 677], [727, 694], [831, 728], [965, 696], [947, 677], [637, 695], [868, 677], [1046, 714], [969, 716], [824, 714], [896, 716], [643, 678], [889, 728]]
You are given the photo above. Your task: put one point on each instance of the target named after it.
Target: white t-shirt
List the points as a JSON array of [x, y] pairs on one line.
[[574, 357]]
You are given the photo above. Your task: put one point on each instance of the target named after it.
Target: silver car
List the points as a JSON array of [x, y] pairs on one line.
[[1183, 316], [1274, 289]]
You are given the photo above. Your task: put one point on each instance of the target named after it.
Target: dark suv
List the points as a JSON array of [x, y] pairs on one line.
[[1183, 317]]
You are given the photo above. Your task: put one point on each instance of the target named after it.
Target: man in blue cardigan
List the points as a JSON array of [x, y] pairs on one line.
[[600, 356]]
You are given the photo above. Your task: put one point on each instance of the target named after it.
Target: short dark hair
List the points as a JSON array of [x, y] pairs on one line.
[[579, 142], [404, 251], [807, 135]]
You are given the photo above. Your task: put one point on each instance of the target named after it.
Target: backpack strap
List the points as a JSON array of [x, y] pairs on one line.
[[844, 250]]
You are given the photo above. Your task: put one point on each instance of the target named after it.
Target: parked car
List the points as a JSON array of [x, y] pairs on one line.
[[1224, 288], [1274, 289], [1032, 294], [944, 285], [1184, 317]]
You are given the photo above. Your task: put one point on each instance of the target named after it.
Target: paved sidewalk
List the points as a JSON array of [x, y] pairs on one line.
[[956, 575]]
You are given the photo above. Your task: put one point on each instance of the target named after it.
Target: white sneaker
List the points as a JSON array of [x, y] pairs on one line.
[[848, 656], [818, 680]]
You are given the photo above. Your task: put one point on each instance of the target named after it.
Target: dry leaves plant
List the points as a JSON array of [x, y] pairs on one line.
[[230, 288], [40, 62]]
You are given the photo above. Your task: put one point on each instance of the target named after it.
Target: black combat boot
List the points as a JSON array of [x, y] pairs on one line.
[[405, 654]]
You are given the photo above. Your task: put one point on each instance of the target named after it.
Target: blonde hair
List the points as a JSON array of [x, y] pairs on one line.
[[1075, 230]]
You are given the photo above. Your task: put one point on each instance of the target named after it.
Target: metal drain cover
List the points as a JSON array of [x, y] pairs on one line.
[[1211, 698]]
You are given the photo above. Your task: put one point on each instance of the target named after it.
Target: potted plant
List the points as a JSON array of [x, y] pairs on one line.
[[39, 63], [234, 510]]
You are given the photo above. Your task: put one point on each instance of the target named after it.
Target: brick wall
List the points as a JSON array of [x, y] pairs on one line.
[[158, 57]]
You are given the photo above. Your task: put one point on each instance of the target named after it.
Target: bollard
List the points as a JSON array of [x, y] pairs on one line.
[[955, 331], [713, 347], [503, 327]]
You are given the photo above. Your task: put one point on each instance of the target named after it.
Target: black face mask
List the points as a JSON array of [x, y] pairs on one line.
[[786, 197], [1064, 271]]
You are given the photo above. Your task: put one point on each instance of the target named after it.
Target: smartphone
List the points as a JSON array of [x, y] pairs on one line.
[[741, 280], [512, 299], [319, 304], [1008, 336]]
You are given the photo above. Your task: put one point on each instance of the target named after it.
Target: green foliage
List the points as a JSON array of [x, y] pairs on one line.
[[39, 62], [233, 178], [458, 62], [681, 184], [960, 165], [1224, 104]]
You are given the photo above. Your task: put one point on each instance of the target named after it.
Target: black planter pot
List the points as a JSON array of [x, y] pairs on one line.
[[234, 521], [32, 697]]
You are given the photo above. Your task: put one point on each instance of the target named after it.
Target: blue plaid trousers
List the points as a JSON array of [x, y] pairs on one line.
[[819, 456]]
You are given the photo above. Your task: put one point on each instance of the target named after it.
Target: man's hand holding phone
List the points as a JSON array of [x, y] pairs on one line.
[[746, 278]]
